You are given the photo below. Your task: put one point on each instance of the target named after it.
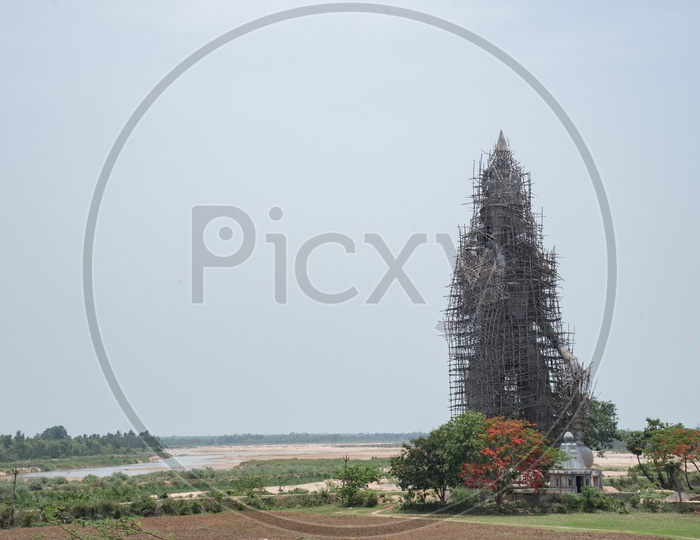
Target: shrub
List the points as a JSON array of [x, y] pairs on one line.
[[26, 518], [254, 501], [90, 479], [212, 506], [118, 477], [464, 496], [83, 510], [565, 504], [170, 507], [143, 506], [651, 505], [371, 499], [4, 516], [185, 507], [593, 499], [109, 509]]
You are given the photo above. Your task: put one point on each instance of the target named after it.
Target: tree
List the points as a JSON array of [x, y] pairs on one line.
[[355, 478], [152, 441], [514, 452], [650, 444], [670, 450], [421, 466], [600, 424], [435, 462], [55, 433]]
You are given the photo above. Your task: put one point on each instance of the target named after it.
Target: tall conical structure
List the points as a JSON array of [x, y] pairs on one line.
[[509, 353]]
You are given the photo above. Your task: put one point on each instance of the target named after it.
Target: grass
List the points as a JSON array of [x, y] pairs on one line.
[[668, 525]]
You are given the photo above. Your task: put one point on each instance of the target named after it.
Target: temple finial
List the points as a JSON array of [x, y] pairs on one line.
[[501, 144]]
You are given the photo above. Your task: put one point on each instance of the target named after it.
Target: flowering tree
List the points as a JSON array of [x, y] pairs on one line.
[[673, 448], [669, 448], [513, 452]]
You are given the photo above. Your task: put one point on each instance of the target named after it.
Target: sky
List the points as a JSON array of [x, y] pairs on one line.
[[311, 153]]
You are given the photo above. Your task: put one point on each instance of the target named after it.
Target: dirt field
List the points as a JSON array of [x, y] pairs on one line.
[[287, 526]]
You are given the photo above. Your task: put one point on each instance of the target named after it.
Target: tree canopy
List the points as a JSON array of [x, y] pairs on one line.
[[600, 424], [354, 479], [489, 454], [669, 449], [434, 462], [513, 452], [55, 442]]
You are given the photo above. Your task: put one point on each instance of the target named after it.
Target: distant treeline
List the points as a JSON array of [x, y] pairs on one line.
[[176, 441], [54, 443]]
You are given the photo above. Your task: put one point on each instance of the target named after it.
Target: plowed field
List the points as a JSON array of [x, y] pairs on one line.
[[296, 526]]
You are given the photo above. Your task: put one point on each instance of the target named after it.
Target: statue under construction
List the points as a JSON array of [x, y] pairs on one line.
[[509, 353]]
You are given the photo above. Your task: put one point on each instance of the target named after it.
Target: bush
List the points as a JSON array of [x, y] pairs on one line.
[[651, 505], [118, 477], [4, 516], [197, 507], [463, 496], [170, 507], [185, 507], [109, 509], [90, 479], [565, 504], [594, 499], [254, 501], [26, 518], [144, 506], [371, 499], [83, 510], [305, 500], [212, 506]]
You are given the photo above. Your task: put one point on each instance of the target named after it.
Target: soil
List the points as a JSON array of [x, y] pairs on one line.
[[299, 526]]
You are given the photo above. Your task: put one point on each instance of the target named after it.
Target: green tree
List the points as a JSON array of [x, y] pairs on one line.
[[422, 466], [152, 441], [600, 424], [435, 462], [55, 433], [355, 478]]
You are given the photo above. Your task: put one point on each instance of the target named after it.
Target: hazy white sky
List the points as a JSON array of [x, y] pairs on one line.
[[351, 124]]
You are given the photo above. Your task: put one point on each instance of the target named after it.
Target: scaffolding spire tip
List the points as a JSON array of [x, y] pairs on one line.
[[501, 144]]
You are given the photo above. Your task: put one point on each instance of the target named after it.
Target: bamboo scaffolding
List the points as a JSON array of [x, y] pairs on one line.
[[509, 354]]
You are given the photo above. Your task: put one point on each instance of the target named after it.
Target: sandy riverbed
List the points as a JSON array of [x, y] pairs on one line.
[[225, 457]]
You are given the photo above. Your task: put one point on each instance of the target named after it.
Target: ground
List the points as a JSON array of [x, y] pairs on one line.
[[300, 526]]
